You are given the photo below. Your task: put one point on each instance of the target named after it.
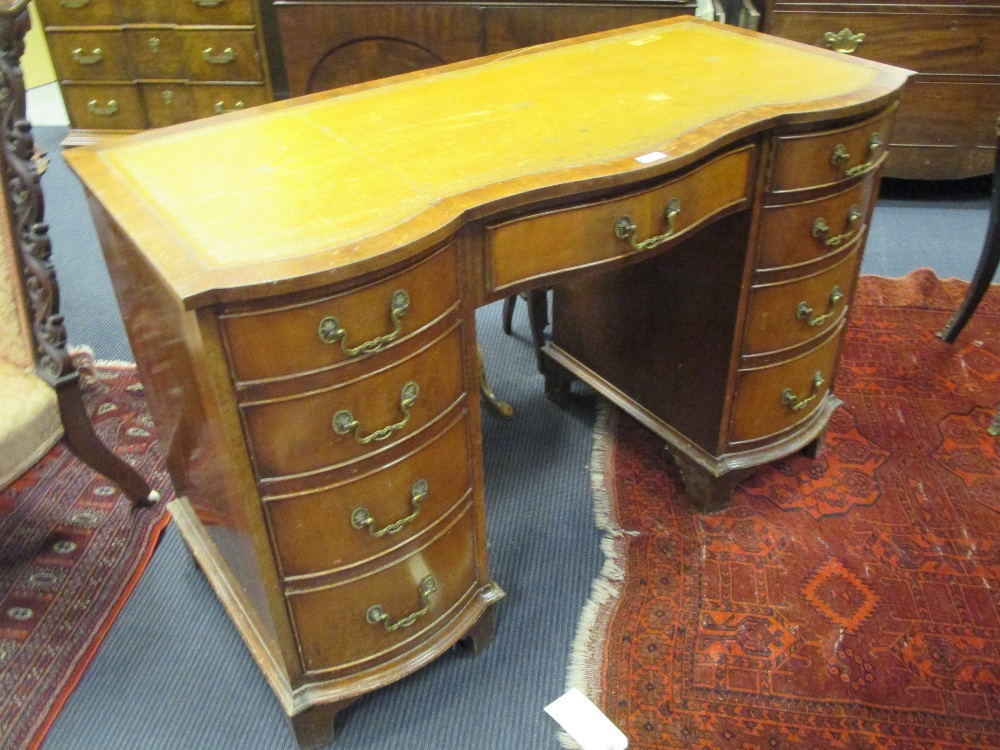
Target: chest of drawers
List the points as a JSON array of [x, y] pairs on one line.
[[127, 66], [944, 129]]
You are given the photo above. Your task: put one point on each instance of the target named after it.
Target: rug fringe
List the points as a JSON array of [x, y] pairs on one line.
[[586, 659]]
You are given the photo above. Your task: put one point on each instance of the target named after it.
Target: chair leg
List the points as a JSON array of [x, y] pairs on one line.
[[538, 321], [988, 262], [88, 448], [508, 313]]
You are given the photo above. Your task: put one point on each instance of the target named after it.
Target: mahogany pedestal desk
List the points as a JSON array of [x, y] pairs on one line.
[[299, 281]]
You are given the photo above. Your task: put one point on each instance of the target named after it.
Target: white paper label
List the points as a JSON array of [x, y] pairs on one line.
[[585, 723], [651, 157]]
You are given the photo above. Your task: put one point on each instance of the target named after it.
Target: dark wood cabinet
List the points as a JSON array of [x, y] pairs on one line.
[[331, 44], [944, 129]]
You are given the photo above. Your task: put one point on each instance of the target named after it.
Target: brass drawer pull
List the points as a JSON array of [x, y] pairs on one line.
[[840, 155], [789, 399], [92, 59], [361, 518], [208, 3], [625, 228], [331, 331], [227, 56], [376, 613], [344, 422], [845, 41], [821, 230], [221, 109], [106, 111], [74, 4], [804, 311], [154, 44]]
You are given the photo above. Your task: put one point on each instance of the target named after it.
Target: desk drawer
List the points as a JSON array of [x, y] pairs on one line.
[[324, 428], [212, 12], [563, 239], [348, 624], [772, 399], [334, 528], [221, 55], [81, 13], [286, 340], [927, 42], [790, 313], [90, 55], [831, 156], [799, 233], [104, 106]]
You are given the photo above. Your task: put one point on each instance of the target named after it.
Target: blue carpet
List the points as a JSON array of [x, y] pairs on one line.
[[173, 673]]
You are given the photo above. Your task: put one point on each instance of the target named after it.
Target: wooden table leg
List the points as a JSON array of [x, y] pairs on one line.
[[314, 727]]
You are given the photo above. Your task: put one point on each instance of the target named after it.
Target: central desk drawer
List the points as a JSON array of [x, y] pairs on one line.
[[312, 431], [348, 624], [560, 240], [334, 528]]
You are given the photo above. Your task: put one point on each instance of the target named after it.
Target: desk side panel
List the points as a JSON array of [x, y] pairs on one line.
[[174, 369]]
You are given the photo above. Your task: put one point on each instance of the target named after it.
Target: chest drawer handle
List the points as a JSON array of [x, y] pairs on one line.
[[361, 518], [330, 330], [344, 421], [227, 56], [74, 4], [106, 111], [793, 402], [220, 108], [625, 228], [376, 614], [845, 41], [840, 156], [821, 230], [804, 311], [92, 59]]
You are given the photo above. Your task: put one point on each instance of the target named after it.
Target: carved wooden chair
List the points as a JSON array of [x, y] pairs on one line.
[[39, 383], [985, 271]]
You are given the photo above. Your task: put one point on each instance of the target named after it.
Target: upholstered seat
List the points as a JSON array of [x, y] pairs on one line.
[[30, 424]]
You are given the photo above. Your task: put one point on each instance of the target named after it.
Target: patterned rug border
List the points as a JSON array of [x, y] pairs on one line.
[[586, 660], [63, 685]]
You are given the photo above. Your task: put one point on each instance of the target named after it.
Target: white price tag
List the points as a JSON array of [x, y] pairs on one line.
[[585, 723]]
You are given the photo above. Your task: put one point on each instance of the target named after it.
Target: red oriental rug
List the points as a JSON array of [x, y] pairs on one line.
[[852, 601], [71, 550]]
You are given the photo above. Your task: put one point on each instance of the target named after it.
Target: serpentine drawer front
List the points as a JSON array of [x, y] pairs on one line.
[[346, 625], [332, 528], [803, 234], [309, 335], [772, 399], [582, 236], [820, 159], [306, 432], [305, 324], [790, 313]]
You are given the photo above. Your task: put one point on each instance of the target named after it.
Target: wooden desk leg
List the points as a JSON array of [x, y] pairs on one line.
[[706, 492], [988, 262], [314, 727], [480, 636]]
